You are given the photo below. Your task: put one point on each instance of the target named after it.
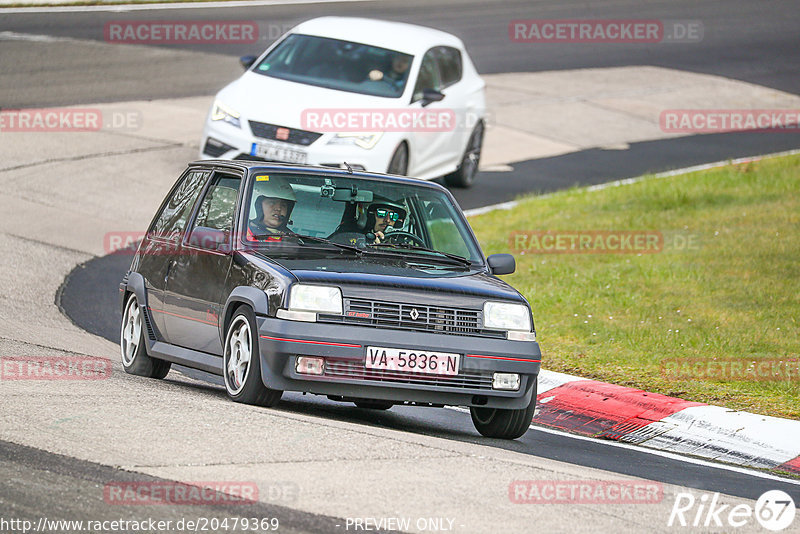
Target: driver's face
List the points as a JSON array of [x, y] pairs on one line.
[[275, 211], [382, 223], [399, 64]]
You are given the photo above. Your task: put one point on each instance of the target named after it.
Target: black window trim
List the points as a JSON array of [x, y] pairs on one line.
[[215, 173]]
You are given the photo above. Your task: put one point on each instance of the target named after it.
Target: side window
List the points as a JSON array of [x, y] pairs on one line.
[[442, 229], [449, 64], [218, 208], [171, 222], [428, 77]]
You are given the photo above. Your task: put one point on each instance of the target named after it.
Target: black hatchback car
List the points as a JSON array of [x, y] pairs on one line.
[[367, 288]]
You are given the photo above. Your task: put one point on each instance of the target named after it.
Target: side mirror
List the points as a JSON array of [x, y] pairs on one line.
[[209, 239], [501, 263], [247, 61], [431, 95]]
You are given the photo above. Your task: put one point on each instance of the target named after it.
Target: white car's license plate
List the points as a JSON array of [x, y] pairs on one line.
[[278, 152], [412, 361]]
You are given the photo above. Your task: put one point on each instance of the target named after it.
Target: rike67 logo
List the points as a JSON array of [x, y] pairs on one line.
[[774, 510]]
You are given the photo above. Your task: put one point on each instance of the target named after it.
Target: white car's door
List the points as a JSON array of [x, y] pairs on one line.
[[460, 97], [431, 147]]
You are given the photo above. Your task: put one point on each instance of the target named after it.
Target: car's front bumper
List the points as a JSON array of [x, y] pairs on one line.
[[344, 350], [239, 143]]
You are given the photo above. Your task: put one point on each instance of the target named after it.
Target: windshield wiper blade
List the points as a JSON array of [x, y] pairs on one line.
[[460, 259], [301, 238]]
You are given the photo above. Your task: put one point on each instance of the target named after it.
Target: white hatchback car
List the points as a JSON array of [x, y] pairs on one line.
[[381, 96]]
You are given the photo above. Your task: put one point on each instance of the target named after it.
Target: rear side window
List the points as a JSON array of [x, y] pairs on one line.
[[171, 222], [449, 64], [219, 205]]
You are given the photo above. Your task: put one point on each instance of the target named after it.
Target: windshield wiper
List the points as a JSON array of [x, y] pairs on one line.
[[460, 259], [301, 238]]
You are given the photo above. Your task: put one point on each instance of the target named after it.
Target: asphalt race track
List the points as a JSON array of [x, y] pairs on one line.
[[747, 41]]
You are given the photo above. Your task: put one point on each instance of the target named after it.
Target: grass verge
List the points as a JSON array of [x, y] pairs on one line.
[[708, 312]]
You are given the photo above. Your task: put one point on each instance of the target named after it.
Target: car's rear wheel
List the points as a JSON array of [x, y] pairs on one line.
[[373, 404], [135, 359], [464, 176], [242, 362], [503, 424], [399, 162]]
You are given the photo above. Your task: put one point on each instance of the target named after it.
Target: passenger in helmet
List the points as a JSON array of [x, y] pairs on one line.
[[274, 201]]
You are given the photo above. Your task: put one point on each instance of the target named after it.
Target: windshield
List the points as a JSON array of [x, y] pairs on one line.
[[369, 215], [341, 65]]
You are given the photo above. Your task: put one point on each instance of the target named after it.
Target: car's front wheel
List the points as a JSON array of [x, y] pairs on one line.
[[242, 362], [464, 176], [503, 424], [135, 359]]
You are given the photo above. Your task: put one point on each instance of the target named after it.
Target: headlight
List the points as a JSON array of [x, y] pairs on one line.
[[317, 299], [364, 140], [506, 316], [220, 112]]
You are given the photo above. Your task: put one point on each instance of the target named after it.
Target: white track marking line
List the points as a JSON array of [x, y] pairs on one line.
[[31, 37], [664, 454], [177, 5], [512, 203]]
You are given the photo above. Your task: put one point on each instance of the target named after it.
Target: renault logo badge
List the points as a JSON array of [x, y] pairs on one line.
[[414, 314]]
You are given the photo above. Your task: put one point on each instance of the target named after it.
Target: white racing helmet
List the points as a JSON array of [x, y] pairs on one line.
[[271, 186]]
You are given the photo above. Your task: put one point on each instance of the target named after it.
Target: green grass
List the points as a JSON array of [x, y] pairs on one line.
[[735, 294]]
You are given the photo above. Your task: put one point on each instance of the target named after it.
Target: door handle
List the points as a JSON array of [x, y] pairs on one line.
[[169, 268]]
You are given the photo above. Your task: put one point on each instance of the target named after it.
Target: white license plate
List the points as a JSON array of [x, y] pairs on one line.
[[278, 152], [412, 361]]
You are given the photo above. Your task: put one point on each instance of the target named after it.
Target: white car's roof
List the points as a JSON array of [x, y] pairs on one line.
[[399, 36]]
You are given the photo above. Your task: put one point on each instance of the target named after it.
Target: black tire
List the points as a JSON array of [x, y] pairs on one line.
[[399, 162], [243, 375], [464, 176], [373, 404], [503, 424], [132, 346]]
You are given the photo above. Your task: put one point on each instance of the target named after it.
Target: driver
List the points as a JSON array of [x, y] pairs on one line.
[[397, 75], [274, 202], [371, 220], [382, 215]]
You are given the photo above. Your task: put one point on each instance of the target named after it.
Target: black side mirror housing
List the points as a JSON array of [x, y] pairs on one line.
[[501, 263], [431, 95], [209, 239], [247, 61]]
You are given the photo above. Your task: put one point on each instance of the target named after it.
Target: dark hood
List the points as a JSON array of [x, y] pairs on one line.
[[383, 278]]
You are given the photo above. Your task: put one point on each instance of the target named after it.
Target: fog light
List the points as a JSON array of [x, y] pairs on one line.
[[306, 365], [509, 381], [292, 315], [516, 335]]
